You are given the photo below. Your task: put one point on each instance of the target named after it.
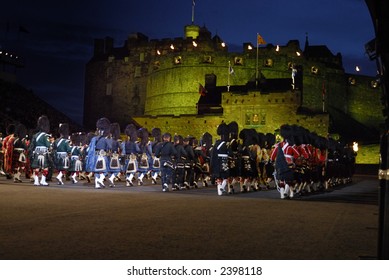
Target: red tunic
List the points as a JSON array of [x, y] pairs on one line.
[[290, 152], [8, 147]]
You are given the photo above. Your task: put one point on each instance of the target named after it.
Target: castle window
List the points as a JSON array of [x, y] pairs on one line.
[[142, 57], [126, 59], [111, 58], [374, 84], [178, 60], [207, 59], [314, 70], [263, 119], [268, 62], [108, 89], [157, 64], [137, 72], [238, 60], [109, 72], [248, 119]]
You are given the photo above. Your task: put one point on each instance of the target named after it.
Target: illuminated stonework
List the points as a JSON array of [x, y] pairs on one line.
[[156, 83]]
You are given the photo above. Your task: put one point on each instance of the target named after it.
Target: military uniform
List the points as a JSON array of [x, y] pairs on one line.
[[19, 159], [76, 156], [155, 164], [62, 150], [8, 148], [130, 150], [219, 159], [97, 160], [189, 163], [114, 166], [166, 152], [179, 163], [283, 155], [39, 150]]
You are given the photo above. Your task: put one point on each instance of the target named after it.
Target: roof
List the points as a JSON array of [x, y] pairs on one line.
[[317, 51]]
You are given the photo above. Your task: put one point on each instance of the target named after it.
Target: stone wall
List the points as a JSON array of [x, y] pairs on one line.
[[263, 112]]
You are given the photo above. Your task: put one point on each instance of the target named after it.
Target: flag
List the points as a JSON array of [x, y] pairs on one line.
[[260, 40], [202, 90], [231, 70], [22, 29]]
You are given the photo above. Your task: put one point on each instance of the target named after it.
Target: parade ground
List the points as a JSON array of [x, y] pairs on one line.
[[79, 222]]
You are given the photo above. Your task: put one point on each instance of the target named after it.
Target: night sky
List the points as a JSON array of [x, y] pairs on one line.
[[55, 38]]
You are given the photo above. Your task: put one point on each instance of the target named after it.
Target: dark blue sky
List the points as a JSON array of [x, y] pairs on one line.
[[60, 34]]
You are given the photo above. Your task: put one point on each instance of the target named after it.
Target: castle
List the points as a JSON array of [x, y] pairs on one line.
[[189, 85]]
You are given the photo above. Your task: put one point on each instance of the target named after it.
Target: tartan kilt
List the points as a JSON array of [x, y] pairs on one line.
[[40, 161], [19, 159], [62, 162], [76, 164]]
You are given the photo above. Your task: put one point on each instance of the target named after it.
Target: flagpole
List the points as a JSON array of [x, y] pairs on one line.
[[228, 77], [256, 66], [193, 7]]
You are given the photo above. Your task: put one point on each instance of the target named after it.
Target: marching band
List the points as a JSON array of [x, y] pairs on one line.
[[293, 160]]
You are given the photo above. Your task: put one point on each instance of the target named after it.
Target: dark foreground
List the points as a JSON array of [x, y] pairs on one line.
[[81, 223]]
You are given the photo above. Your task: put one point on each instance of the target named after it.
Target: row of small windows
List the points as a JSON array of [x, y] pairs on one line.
[[375, 84], [209, 59], [206, 59], [236, 61]]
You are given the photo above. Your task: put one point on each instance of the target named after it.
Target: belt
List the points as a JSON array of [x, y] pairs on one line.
[[100, 153], [41, 149]]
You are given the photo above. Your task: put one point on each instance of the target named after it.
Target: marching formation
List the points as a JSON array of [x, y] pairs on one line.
[[294, 160]]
